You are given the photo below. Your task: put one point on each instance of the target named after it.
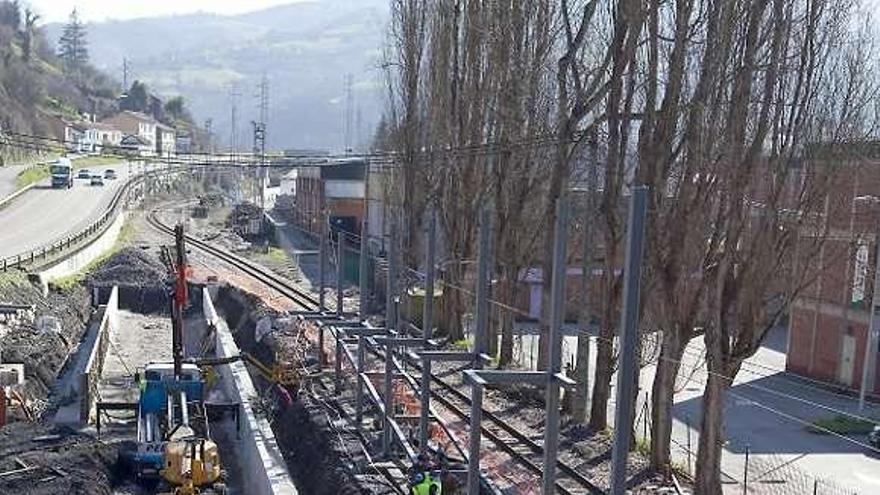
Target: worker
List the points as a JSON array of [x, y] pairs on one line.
[[424, 484]]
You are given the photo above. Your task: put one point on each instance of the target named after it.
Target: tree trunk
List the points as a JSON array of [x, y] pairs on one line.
[[602, 387], [662, 400], [452, 304], [708, 480], [508, 294]]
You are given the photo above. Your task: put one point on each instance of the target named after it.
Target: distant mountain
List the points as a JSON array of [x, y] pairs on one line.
[[306, 49]]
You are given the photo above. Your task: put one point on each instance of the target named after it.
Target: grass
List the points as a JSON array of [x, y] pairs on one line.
[[463, 344], [277, 255], [842, 425], [96, 161], [31, 175]]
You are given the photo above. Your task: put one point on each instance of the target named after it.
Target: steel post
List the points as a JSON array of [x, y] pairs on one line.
[[365, 246], [626, 364], [389, 398], [427, 326], [557, 308], [473, 480], [340, 270], [363, 281], [391, 283], [322, 261], [359, 391], [337, 364], [484, 257]]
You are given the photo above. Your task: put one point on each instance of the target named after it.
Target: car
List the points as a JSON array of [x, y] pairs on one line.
[[97, 180], [110, 174], [84, 174]]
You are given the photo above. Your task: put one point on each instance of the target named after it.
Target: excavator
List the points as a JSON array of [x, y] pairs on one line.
[[174, 439]]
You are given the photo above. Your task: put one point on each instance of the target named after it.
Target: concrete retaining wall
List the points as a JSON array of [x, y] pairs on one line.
[[91, 375], [260, 455], [81, 259]]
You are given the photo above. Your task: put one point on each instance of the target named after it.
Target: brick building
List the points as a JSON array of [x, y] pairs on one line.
[[340, 183], [828, 323]]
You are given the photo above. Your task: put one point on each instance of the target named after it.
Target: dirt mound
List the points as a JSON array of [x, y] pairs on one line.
[[141, 278], [53, 461], [43, 343]]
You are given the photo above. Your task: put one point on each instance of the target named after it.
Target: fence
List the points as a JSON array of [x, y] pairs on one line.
[[91, 375]]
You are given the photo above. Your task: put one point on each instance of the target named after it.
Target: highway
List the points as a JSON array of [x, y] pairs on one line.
[[44, 214]]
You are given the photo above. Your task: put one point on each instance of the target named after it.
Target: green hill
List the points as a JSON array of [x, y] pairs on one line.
[[305, 49], [35, 85]]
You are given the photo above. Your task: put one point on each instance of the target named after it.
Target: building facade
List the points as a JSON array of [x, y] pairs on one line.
[[829, 322]]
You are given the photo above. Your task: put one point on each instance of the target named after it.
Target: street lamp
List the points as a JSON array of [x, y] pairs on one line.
[[869, 363]]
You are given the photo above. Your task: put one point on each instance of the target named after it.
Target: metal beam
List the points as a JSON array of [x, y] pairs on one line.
[[481, 338], [427, 326], [627, 367], [554, 365]]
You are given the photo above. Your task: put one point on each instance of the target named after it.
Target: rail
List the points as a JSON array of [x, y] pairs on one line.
[[61, 248], [495, 428]]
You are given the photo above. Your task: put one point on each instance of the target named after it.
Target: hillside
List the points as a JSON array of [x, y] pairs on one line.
[[305, 49], [35, 85]]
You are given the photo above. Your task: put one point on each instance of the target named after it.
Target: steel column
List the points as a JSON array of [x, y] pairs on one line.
[[340, 270], [427, 326], [473, 480], [629, 320], [557, 308], [481, 338], [322, 259]]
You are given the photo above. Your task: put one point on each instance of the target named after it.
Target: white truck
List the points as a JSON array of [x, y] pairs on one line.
[[61, 171]]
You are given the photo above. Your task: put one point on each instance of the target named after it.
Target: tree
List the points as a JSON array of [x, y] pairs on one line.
[[10, 14], [28, 33], [73, 44], [137, 98], [176, 108]]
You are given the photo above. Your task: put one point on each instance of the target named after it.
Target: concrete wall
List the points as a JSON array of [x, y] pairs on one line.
[[91, 375], [81, 259], [260, 455]]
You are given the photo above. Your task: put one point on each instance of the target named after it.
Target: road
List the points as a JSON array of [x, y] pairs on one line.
[[8, 176], [767, 413], [44, 214]]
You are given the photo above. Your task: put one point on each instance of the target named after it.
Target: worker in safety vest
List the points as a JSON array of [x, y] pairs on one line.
[[424, 484]]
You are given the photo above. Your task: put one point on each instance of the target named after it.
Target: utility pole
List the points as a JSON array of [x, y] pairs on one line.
[[870, 362], [126, 72], [234, 94], [260, 139], [349, 113]]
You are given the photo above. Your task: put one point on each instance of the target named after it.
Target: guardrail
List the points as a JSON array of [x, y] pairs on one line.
[[60, 248], [91, 375]]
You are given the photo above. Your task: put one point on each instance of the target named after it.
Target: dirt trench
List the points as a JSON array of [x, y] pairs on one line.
[[311, 448]]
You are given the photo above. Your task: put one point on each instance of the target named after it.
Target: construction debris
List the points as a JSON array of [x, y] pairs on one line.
[[246, 219], [141, 279]]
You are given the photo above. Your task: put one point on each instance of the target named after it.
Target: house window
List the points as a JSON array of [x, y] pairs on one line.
[[860, 271]]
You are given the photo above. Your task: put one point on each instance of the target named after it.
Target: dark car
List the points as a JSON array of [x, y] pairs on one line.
[[84, 174], [110, 174]]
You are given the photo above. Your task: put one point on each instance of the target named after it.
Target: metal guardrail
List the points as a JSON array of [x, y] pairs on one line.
[[58, 249]]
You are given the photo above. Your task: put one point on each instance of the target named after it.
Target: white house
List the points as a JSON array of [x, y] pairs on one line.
[[135, 124]]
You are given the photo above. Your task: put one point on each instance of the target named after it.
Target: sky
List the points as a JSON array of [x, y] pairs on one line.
[[101, 10]]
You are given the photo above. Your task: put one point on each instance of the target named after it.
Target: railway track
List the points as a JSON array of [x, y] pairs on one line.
[[522, 449], [298, 296]]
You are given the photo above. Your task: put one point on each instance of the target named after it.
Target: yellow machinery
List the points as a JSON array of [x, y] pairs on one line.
[[192, 463]]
